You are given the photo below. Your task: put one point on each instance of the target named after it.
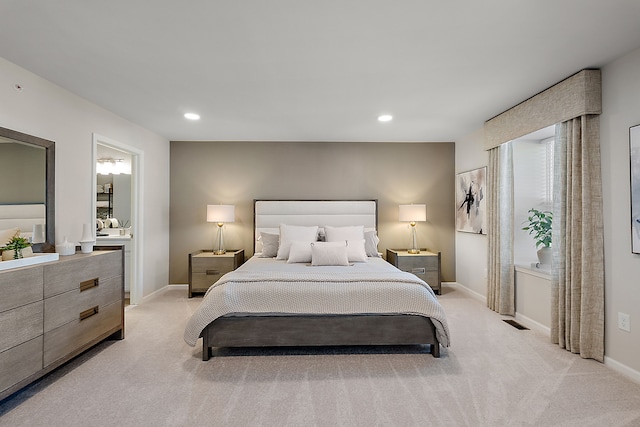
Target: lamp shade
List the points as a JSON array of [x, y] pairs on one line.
[[221, 213], [412, 213]]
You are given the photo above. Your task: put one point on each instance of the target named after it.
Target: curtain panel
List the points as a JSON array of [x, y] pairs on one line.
[[577, 281], [500, 287]]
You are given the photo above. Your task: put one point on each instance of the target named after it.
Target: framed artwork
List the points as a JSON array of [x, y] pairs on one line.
[[470, 201], [634, 151]]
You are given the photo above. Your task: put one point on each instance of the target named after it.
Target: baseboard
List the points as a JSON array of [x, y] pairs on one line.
[[471, 293], [620, 368], [613, 364], [532, 324], [161, 291]]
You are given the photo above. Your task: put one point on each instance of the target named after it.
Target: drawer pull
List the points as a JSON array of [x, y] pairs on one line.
[[89, 312], [213, 272], [418, 270], [88, 284]]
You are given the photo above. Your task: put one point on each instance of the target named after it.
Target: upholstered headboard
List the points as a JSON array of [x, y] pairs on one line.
[[269, 214], [23, 217]]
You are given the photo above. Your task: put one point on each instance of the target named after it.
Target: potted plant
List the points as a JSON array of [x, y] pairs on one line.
[[539, 224], [18, 247]]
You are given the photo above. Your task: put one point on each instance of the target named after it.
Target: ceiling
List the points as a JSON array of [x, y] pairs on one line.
[[300, 70]]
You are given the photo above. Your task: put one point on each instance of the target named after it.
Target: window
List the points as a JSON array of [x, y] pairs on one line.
[[532, 187]]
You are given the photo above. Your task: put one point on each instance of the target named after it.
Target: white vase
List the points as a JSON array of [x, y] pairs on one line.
[[66, 248], [545, 255]]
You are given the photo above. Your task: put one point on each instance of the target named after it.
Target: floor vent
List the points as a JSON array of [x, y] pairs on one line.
[[515, 324]]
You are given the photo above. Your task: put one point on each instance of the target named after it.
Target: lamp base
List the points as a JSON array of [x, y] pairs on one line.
[[219, 252], [413, 251]]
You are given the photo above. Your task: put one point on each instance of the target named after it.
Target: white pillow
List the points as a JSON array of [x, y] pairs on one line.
[[323, 254], [269, 244], [294, 233], [355, 251], [371, 241], [299, 252], [336, 234]]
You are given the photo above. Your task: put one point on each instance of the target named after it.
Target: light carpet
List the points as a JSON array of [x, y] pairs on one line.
[[492, 375]]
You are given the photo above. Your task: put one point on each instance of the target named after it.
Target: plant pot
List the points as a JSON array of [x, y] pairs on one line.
[[22, 253], [545, 255]]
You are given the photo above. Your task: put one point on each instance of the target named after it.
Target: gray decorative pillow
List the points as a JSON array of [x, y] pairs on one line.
[[269, 244], [371, 241]]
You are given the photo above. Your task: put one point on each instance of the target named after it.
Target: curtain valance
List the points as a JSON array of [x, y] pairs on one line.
[[578, 95]]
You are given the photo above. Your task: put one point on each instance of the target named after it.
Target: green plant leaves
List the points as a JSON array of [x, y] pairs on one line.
[[539, 224]]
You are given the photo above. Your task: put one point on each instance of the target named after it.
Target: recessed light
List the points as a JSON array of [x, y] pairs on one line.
[[192, 116], [385, 118]]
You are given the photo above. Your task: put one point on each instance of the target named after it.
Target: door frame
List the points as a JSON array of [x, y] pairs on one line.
[[137, 196]]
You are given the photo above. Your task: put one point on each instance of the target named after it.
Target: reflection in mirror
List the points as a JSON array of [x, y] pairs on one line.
[[28, 165]]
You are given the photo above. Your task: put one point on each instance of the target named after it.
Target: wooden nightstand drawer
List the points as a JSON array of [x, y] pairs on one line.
[[425, 265], [211, 265], [200, 282], [205, 268]]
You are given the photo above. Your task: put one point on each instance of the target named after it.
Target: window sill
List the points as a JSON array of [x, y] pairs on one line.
[[534, 270]]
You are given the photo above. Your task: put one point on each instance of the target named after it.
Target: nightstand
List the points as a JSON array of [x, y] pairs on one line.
[[205, 268], [425, 265]]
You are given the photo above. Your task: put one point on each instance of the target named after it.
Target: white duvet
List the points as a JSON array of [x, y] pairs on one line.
[[264, 286]]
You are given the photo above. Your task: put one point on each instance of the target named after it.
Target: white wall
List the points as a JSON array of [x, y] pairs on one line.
[[471, 249], [620, 110], [48, 111]]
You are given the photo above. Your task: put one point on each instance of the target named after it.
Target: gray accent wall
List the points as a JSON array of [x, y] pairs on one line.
[[236, 173]]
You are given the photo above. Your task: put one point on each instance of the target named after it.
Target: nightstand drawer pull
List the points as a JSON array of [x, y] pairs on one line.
[[88, 284], [88, 313], [213, 272], [419, 270]]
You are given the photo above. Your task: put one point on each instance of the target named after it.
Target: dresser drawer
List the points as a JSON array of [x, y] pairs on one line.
[[21, 286], [66, 307], [60, 342], [19, 362], [71, 273], [20, 325]]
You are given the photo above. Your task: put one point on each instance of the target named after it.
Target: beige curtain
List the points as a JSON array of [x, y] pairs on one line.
[[500, 290], [577, 285]]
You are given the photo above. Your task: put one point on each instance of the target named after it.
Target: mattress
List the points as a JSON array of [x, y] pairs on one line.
[[266, 286]]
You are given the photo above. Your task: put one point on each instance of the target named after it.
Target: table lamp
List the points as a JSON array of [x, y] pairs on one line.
[[220, 214], [412, 214]]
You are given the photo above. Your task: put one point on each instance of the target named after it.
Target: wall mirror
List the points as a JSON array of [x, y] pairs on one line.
[[28, 169]]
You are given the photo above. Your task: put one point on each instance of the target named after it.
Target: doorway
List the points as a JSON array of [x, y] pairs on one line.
[[127, 207]]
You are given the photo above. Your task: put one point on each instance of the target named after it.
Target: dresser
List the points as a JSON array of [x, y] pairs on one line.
[[205, 268], [51, 312], [425, 265]]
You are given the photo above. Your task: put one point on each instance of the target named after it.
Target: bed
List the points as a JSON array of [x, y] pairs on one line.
[[22, 217], [274, 301]]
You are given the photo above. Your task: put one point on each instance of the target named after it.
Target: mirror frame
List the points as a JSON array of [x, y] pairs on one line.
[[50, 187]]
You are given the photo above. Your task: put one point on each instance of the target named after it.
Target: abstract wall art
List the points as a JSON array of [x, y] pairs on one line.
[[471, 201], [634, 149]]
